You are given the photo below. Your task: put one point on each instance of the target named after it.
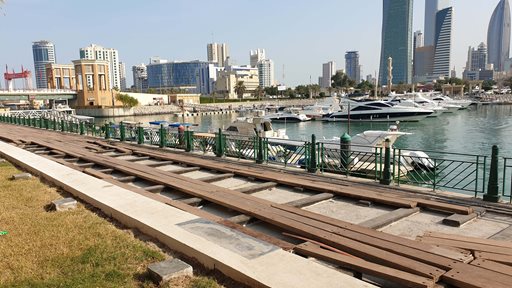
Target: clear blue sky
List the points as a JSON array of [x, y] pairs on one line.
[[299, 34]]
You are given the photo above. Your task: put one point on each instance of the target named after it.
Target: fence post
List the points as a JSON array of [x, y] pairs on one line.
[[345, 141], [140, 135], [40, 123], [122, 132], [189, 141], [162, 136], [219, 144], [107, 131], [312, 155], [386, 178], [82, 128], [47, 124], [259, 157], [492, 186], [62, 128]]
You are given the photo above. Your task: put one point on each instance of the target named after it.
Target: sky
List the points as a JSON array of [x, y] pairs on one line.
[[298, 35]]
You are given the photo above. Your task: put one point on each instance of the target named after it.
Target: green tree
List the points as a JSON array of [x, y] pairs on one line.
[[487, 85], [259, 92], [365, 86], [151, 91], [315, 89], [240, 89], [302, 90], [127, 100], [341, 81], [271, 90]]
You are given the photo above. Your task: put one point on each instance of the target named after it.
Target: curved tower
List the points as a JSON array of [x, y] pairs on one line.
[[498, 36]]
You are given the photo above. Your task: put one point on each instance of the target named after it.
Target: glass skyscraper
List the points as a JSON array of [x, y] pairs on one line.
[[44, 53], [352, 66], [498, 36], [184, 75], [443, 42], [396, 40]]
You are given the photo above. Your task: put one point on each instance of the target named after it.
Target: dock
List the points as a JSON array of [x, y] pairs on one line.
[[266, 226]]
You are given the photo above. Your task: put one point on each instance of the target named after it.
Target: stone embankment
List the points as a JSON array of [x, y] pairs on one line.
[[191, 109]]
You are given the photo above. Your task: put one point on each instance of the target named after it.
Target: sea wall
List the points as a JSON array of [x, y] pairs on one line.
[[122, 112]]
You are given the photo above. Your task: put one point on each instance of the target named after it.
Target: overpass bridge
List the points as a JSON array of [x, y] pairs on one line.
[[37, 94]]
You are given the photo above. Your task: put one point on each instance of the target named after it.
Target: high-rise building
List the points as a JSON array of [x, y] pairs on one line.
[[423, 65], [396, 40], [266, 73], [122, 75], [217, 53], [96, 52], [175, 75], [477, 58], [418, 40], [431, 9], [352, 65], [328, 70], [498, 36], [140, 77], [443, 42], [44, 53], [256, 56]]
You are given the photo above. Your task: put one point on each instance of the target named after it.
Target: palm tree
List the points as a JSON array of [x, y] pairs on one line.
[[258, 92], [240, 89]]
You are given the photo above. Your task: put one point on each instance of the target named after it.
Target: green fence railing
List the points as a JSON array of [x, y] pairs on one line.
[[458, 172]]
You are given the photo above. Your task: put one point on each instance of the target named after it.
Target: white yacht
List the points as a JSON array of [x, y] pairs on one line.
[[377, 111], [416, 100], [318, 111], [289, 115], [252, 126], [445, 100]]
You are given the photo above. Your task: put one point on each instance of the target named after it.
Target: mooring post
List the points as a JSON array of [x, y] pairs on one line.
[[386, 177], [345, 141], [312, 156], [163, 136], [492, 194]]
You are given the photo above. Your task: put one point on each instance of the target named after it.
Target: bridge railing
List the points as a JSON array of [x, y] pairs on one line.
[[458, 172]]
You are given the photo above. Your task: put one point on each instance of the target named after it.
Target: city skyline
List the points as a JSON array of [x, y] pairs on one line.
[[287, 41]]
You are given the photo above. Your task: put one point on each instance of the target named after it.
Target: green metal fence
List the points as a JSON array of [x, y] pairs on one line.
[[507, 178], [433, 169]]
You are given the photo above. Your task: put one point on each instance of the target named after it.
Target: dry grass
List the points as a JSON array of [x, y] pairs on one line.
[[67, 249]]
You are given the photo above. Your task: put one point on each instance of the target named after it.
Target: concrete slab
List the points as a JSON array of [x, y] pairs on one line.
[[233, 183], [418, 224], [281, 195], [273, 269], [21, 176], [388, 218], [164, 271], [243, 245], [504, 235], [64, 204], [348, 210], [198, 174], [219, 210]]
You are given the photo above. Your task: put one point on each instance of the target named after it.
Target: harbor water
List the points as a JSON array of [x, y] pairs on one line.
[[471, 131]]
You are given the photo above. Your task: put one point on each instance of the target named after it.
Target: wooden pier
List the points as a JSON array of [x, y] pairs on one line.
[[196, 183]]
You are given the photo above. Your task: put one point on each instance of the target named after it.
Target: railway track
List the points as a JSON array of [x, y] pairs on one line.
[[294, 211]]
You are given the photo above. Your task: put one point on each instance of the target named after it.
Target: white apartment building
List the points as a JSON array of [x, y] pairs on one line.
[[256, 56], [266, 73], [96, 52], [328, 70], [217, 53]]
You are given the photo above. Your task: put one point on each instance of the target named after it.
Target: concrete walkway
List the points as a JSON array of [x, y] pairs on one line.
[[237, 255]]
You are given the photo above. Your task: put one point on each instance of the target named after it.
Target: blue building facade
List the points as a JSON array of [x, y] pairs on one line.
[[443, 42], [498, 36], [396, 41], [183, 75]]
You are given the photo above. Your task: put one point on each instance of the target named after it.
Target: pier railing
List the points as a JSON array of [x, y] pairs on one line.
[[507, 179], [464, 173]]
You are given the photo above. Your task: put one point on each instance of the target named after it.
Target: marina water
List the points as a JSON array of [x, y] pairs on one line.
[[471, 131]]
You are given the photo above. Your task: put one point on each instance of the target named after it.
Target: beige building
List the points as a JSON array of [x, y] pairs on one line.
[[179, 99], [60, 76], [227, 80], [92, 83]]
